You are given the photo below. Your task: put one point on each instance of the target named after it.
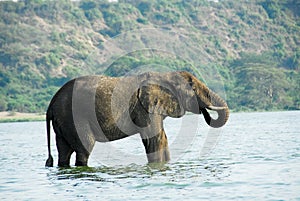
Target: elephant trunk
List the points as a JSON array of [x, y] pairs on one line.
[[218, 105]]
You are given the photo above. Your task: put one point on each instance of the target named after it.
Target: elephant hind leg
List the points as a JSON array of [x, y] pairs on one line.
[[64, 151], [83, 153], [82, 158]]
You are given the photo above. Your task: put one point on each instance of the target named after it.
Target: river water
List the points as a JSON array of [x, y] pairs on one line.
[[256, 156]]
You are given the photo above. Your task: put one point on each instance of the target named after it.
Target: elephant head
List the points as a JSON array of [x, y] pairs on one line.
[[172, 94], [207, 99]]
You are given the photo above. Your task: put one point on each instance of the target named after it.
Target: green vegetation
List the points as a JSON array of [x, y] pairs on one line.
[[254, 45]]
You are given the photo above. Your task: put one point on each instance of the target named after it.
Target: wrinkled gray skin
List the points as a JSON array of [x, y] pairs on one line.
[[100, 108]]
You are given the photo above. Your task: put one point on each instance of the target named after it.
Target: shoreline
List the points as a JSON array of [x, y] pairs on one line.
[[10, 116]]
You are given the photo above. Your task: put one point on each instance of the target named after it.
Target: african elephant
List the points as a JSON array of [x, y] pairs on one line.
[[100, 108]]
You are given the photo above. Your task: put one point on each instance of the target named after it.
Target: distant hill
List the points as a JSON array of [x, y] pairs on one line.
[[248, 50]]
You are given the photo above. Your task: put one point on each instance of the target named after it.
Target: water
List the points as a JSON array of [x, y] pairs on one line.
[[255, 156]]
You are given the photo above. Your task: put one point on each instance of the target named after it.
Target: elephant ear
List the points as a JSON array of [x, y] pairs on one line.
[[157, 99]]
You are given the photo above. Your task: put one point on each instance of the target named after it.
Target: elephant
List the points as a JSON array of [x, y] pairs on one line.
[[102, 108]]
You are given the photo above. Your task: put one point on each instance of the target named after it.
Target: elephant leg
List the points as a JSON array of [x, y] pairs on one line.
[[157, 147], [83, 152], [165, 153], [64, 151], [82, 158]]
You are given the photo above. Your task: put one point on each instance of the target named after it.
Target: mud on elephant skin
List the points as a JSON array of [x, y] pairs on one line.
[[100, 108]]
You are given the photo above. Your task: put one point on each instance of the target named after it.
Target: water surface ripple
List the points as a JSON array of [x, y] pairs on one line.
[[255, 156]]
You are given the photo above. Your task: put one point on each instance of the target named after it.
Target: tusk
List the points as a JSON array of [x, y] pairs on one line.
[[216, 108]]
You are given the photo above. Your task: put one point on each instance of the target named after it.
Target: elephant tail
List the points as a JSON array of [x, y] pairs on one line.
[[49, 162]]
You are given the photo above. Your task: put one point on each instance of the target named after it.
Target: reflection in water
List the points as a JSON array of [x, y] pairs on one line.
[[103, 174], [255, 157], [171, 172]]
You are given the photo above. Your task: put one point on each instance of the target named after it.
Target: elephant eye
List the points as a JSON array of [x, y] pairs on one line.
[[190, 81], [193, 87]]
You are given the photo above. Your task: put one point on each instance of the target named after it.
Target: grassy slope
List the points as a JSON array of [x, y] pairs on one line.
[[253, 45]]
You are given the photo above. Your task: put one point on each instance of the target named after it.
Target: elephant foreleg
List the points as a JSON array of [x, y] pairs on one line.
[[157, 147]]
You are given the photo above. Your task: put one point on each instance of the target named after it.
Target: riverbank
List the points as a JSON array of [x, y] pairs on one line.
[[11, 116]]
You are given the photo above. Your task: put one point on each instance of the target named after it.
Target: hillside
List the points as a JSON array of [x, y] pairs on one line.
[[249, 52]]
